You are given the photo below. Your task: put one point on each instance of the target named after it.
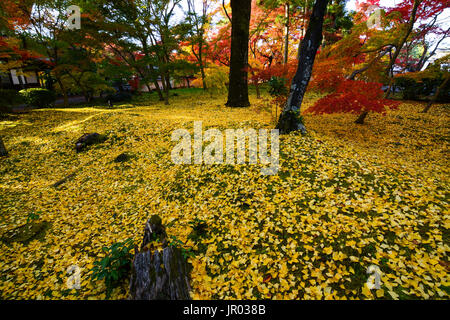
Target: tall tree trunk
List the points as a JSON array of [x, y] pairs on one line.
[[290, 117], [286, 33], [238, 79], [436, 95], [3, 152]]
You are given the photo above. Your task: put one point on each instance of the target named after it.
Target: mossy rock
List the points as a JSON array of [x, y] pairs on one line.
[[26, 233], [123, 157], [89, 139]]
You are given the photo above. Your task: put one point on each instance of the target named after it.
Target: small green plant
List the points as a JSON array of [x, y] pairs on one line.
[[177, 243], [115, 266], [32, 216], [198, 229], [277, 86], [38, 97], [279, 92]]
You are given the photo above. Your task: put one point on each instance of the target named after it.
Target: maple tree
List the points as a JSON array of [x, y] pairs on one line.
[[371, 55], [143, 35], [197, 34], [14, 53], [44, 28], [354, 96]]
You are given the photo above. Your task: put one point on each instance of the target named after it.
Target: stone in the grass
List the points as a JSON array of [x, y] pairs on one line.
[[88, 139], [123, 157], [26, 233]]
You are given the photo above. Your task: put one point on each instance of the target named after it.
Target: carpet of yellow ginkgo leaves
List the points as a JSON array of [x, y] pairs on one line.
[[346, 197]]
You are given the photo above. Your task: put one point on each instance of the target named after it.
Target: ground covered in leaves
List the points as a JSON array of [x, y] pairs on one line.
[[346, 197]]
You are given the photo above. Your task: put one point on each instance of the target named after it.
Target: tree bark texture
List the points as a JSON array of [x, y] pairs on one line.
[[238, 78], [290, 117], [159, 275]]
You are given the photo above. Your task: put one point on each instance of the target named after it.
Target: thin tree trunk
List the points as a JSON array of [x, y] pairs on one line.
[[238, 78], [202, 67], [165, 89], [258, 93], [202, 71], [399, 46], [436, 94], [155, 82], [389, 89], [362, 117], [86, 95], [290, 117], [393, 58], [148, 87], [286, 33], [363, 69], [158, 90], [3, 151], [64, 91]]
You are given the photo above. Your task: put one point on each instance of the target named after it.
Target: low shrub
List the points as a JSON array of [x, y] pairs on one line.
[[38, 97], [115, 266], [422, 88]]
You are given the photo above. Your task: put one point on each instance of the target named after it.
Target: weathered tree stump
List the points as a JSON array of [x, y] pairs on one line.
[[3, 151], [159, 275], [88, 139]]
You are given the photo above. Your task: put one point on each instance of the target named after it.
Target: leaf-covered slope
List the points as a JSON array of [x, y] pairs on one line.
[[337, 206]]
